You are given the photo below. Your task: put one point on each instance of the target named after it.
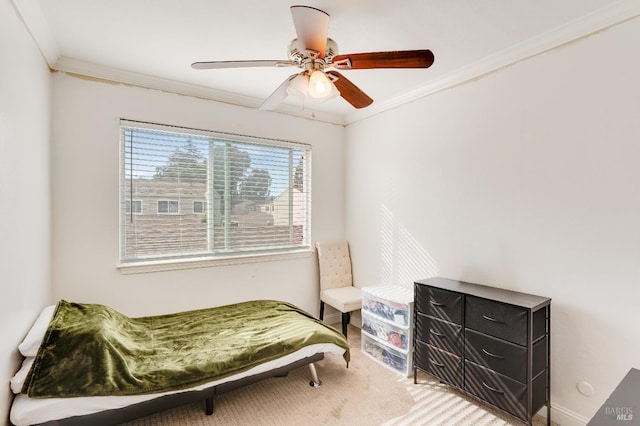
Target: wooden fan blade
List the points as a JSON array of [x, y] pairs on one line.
[[312, 28], [278, 95], [393, 59], [350, 92], [240, 64]]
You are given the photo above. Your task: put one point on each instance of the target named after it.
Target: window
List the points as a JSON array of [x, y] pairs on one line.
[[168, 207], [249, 195], [198, 207], [137, 206]]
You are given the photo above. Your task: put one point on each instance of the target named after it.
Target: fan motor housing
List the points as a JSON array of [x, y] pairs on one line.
[[301, 54]]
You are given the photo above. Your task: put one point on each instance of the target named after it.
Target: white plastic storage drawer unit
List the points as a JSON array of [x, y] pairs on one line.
[[386, 326]]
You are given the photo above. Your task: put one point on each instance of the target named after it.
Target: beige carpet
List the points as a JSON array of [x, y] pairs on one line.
[[366, 393]]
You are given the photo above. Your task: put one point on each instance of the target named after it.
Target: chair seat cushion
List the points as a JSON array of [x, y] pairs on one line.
[[344, 299]]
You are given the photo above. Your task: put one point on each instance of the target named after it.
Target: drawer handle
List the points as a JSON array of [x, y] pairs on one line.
[[492, 355], [436, 333], [437, 364], [439, 305], [498, 391], [491, 319]]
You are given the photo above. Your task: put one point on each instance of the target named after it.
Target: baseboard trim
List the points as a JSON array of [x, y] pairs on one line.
[[563, 416]]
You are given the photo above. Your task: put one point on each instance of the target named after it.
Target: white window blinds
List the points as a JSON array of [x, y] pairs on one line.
[[201, 194]]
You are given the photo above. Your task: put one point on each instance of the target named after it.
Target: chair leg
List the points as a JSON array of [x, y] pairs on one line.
[[346, 317], [321, 310]]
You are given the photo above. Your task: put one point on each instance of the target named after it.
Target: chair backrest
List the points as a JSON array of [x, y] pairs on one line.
[[334, 262]]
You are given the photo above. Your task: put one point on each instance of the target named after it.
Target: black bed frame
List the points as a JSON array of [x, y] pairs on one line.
[[146, 408]]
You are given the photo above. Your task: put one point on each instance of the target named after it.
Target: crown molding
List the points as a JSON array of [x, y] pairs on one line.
[[598, 20], [102, 72]]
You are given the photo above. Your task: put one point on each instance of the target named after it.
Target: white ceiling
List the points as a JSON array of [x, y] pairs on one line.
[[153, 42]]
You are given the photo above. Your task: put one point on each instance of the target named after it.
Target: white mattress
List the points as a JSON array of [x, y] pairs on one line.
[[29, 411]]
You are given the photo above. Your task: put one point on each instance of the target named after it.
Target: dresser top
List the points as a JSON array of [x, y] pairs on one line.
[[511, 297]]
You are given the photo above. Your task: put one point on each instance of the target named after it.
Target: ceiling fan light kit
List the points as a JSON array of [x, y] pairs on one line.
[[317, 55], [319, 85], [301, 86]]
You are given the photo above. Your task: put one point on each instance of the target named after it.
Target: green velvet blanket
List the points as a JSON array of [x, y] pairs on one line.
[[93, 350]]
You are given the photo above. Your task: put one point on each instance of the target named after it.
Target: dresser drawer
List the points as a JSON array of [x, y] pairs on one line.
[[497, 319], [390, 310], [499, 355], [504, 357], [440, 334], [496, 389], [539, 392], [540, 323], [385, 355], [442, 304], [540, 356], [443, 365], [398, 337]]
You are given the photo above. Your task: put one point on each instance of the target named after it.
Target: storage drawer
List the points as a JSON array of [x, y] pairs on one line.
[[440, 334], [540, 357], [384, 354], [397, 336], [497, 319], [395, 312], [499, 355], [496, 389], [540, 325], [443, 365], [539, 392], [442, 304]]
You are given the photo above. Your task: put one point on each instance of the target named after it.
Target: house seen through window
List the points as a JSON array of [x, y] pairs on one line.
[[134, 206], [198, 206], [168, 206], [210, 194]]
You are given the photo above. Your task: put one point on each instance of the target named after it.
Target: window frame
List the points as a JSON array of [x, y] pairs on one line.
[[129, 203], [203, 206], [169, 202], [187, 261]]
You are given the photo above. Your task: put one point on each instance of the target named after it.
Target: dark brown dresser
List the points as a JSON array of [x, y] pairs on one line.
[[490, 343]]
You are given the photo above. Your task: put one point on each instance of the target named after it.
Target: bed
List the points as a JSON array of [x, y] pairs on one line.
[[89, 364]]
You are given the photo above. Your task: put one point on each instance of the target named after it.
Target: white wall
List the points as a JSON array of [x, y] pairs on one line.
[[25, 213], [527, 179], [85, 200]]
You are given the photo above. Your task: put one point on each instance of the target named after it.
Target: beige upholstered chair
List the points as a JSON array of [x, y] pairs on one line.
[[336, 280]]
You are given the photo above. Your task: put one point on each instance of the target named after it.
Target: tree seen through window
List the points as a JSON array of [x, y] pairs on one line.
[[215, 195]]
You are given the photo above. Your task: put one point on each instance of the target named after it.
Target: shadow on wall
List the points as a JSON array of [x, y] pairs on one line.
[[403, 259]]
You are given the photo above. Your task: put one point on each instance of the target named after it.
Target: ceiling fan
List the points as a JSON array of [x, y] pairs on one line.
[[317, 55]]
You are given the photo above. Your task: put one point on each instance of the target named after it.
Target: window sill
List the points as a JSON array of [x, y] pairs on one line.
[[208, 262]]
